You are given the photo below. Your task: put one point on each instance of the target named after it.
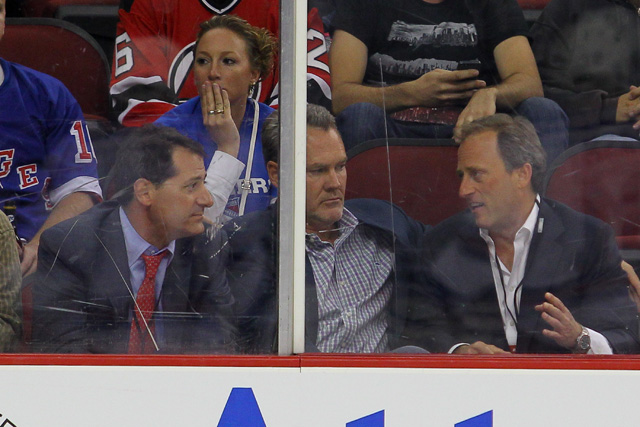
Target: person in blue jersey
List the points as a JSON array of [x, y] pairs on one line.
[[230, 57], [48, 170]]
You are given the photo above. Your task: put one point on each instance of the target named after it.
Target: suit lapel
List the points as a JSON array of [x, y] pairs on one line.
[[175, 288], [311, 308], [542, 266], [111, 266]]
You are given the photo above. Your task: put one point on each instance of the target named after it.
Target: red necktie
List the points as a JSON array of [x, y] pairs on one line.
[[142, 326]]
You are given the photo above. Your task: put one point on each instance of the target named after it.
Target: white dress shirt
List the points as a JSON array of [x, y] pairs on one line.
[[508, 285], [222, 175]]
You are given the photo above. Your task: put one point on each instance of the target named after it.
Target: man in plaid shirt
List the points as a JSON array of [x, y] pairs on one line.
[[359, 255]]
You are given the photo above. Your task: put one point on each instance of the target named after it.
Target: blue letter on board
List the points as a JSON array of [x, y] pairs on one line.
[[373, 420], [241, 410], [482, 420]]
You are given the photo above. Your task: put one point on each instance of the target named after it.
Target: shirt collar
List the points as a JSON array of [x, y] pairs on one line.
[[530, 223], [136, 245], [345, 225]]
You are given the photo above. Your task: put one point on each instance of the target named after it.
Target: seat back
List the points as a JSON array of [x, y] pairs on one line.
[[423, 176], [600, 178], [65, 52], [532, 9], [533, 4], [49, 8]]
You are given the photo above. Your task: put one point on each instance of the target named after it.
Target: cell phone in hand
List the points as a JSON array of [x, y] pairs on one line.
[[469, 65]]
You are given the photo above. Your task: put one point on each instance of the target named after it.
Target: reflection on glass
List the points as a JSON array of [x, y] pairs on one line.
[[189, 307], [231, 57], [515, 271], [9, 285], [140, 273], [252, 265], [47, 168], [555, 272]]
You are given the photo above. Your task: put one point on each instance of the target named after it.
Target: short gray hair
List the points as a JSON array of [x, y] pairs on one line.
[[317, 117], [518, 143]]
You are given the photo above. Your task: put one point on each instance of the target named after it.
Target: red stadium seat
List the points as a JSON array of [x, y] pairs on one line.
[[423, 176], [628, 242], [65, 52], [532, 9], [49, 8], [533, 4], [97, 17], [601, 178]]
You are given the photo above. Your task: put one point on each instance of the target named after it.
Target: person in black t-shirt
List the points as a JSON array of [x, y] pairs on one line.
[[587, 52], [434, 65]]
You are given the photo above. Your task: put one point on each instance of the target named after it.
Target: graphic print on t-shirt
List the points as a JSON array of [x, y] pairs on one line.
[[424, 42], [428, 38], [445, 33]]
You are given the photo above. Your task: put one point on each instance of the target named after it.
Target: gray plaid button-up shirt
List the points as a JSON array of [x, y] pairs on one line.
[[354, 287]]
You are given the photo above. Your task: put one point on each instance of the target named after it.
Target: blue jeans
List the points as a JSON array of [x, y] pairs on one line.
[[363, 122]]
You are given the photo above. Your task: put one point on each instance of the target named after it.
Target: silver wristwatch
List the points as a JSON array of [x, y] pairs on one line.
[[583, 342]]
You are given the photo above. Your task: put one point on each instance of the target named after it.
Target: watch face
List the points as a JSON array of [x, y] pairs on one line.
[[584, 342]]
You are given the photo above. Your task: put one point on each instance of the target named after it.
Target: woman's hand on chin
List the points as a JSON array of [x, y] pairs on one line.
[[216, 116]]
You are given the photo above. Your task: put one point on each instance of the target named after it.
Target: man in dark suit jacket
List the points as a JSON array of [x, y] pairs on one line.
[[516, 270], [92, 268], [252, 241]]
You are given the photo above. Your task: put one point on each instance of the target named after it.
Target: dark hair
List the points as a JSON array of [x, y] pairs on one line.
[[271, 137], [147, 152], [261, 44], [518, 143], [317, 117]]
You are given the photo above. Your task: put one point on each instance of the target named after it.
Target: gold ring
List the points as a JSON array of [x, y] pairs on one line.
[[220, 111], [211, 112]]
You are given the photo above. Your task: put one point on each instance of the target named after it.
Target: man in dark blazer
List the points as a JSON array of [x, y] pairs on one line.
[[517, 271], [92, 267], [252, 264]]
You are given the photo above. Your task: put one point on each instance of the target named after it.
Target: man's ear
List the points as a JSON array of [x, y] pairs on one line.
[[143, 191], [272, 171], [524, 174]]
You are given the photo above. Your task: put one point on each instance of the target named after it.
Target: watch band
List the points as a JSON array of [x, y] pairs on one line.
[[583, 342]]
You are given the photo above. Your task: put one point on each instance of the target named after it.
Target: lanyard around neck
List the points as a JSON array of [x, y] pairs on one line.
[[246, 182]]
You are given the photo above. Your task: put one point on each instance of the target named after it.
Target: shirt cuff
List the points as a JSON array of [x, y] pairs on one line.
[[599, 344], [86, 184], [455, 347], [222, 175]]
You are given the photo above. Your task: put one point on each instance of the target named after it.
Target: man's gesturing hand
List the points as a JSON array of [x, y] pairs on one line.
[[565, 330]]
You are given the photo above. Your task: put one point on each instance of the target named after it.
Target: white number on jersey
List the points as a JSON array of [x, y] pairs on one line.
[[124, 54], [83, 140], [6, 160]]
